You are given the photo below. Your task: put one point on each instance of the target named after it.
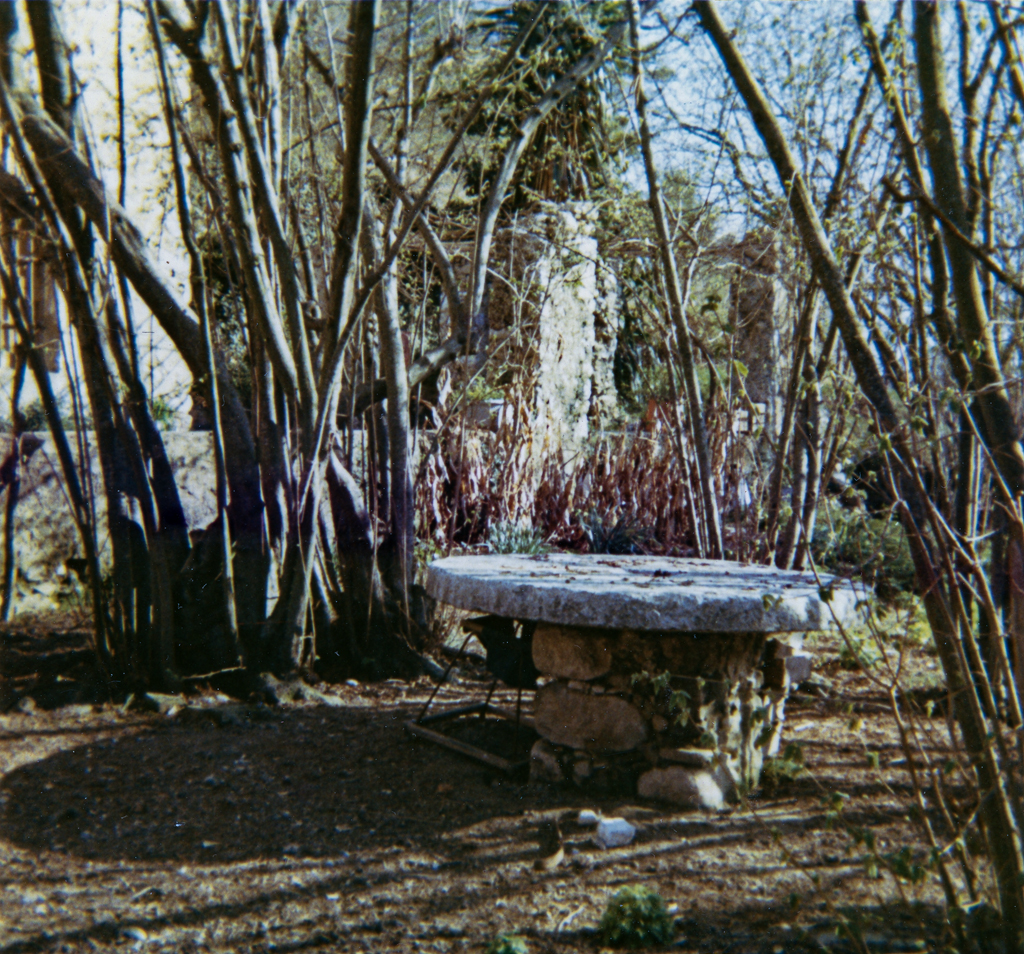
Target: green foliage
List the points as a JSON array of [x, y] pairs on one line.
[[641, 366], [636, 917], [874, 547], [905, 865], [480, 389], [162, 413], [235, 350], [425, 552], [228, 314], [660, 688], [779, 771], [581, 137], [834, 803], [860, 651], [34, 416], [508, 944], [505, 537]]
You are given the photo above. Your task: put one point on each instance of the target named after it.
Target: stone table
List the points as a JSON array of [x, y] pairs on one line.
[[661, 675]]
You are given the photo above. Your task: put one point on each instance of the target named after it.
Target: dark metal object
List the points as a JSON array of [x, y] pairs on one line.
[[444, 679], [417, 728], [509, 657], [506, 651]]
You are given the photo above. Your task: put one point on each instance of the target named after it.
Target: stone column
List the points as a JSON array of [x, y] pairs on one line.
[[755, 297]]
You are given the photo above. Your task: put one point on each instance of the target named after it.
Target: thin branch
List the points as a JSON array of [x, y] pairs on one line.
[[976, 250], [437, 249]]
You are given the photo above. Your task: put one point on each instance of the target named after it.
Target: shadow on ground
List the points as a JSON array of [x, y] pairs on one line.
[[327, 827], [308, 782]]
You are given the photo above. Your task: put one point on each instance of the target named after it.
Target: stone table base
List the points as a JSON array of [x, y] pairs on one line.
[[665, 676], [681, 717]]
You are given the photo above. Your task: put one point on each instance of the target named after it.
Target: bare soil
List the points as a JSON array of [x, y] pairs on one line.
[[322, 826]]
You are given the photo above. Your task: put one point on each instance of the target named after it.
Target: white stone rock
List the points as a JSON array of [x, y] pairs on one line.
[[580, 720], [614, 833], [798, 668], [587, 818], [643, 593], [686, 787]]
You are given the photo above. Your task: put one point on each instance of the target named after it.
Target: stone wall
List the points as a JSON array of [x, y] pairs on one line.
[[45, 537], [577, 331], [92, 25], [605, 720]]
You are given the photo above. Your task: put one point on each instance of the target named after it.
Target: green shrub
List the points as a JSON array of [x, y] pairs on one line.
[[859, 652], [480, 389], [33, 416], [782, 769], [507, 537], [877, 549], [605, 534], [636, 917], [508, 944]]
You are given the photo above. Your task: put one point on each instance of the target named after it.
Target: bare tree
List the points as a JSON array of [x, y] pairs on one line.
[[289, 508], [940, 589]]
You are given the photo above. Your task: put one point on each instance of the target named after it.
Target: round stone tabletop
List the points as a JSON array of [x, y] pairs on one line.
[[645, 593]]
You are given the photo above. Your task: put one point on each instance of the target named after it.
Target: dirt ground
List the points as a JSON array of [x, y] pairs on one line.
[[212, 826]]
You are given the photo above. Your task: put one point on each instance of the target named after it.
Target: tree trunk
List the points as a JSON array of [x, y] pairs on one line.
[[678, 300], [1003, 836], [947, 189]]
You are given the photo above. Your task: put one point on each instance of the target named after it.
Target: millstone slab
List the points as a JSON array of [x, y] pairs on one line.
[[642, 593]]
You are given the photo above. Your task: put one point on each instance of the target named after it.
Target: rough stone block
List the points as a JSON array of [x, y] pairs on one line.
[[571, 653], [798, 668], [614, 833], [730, 656], [601, 723], [785, 663], [774, 671], [686, 787], [582, 769], [544, 765]]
